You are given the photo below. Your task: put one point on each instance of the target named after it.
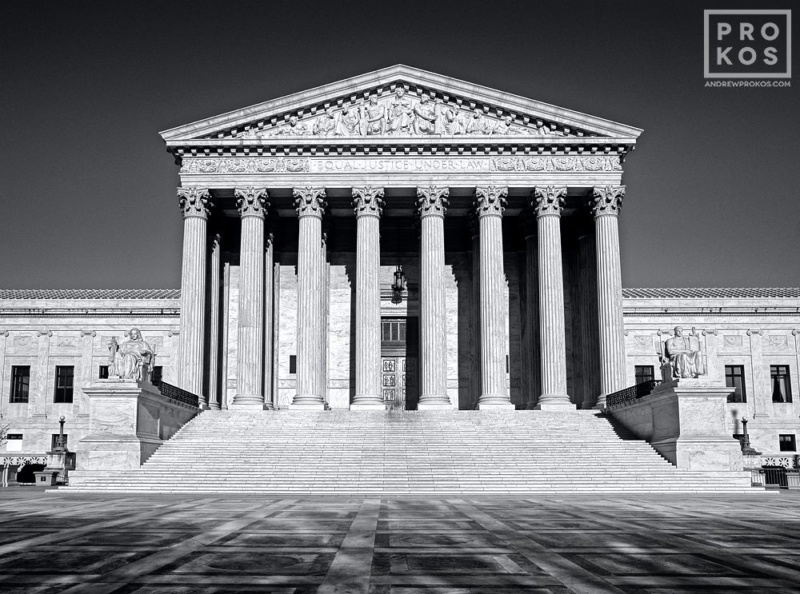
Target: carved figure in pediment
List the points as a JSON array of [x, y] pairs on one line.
[[478, 124], [506, 127], [325, 124], [293, 128], [425, 117], [373, 117], [133, 359], [684, 355], [349, 122], [452, 121], [400, 113]]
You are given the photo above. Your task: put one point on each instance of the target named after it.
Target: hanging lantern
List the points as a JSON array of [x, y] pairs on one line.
[[399, 285]]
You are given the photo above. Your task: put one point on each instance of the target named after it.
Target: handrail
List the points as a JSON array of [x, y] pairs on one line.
[[631, 393], [176, 393]]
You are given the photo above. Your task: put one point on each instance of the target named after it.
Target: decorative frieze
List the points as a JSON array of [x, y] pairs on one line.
[[368, 201], [432, 201], [194, 202], [548, 200], [251, 201], [607, 200], [400, 164], [490, 201]]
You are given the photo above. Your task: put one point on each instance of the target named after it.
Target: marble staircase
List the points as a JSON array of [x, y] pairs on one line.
[[430, 452]]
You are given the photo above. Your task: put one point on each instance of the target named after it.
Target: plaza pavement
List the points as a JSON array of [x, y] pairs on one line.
[[659, 544]]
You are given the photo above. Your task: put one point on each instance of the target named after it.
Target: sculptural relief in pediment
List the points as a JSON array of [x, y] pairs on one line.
[[402, 114]]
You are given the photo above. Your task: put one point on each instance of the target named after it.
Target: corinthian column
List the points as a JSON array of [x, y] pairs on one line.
[[310, 203], [490, 203], [195, 208], [607, 202], [213, 322], [252, 205], [532, 333], [548, 202], [368, 204], [432, 204]]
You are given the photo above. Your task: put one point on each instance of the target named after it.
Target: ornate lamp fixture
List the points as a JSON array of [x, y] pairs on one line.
[[399, 285]]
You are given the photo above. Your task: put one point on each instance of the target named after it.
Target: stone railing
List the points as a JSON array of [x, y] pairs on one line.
[[632, 393], [176, 393]]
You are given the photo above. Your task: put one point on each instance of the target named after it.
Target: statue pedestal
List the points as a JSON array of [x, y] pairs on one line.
[[128, 421], [684, 420]]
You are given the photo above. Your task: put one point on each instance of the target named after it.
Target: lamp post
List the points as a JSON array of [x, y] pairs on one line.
[[747, 449], [60, 445]]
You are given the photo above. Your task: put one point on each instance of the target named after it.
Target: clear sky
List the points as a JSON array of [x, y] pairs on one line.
[[88, 191]]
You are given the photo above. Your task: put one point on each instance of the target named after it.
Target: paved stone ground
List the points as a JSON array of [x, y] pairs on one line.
[[223, 544]]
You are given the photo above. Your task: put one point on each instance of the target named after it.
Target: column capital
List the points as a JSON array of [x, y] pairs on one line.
[[251, 202], [309, 201], [368, 201], [194, 202], [548, 200], [490, 201], [607, 200], [432, 201]]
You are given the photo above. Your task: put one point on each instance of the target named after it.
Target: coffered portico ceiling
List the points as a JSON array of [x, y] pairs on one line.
[[399, 122]]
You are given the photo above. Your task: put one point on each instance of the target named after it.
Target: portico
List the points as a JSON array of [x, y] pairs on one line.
[[297, 211]]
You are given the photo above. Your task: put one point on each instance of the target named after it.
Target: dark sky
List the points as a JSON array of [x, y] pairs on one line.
[[88, 191]]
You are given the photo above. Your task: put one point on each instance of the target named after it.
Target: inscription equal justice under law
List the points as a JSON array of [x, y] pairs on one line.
[[400, 164]]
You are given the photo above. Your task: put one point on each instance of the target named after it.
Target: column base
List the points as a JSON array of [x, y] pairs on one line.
[[434, 406], [368, 406], [434, 402], [557, 406], [214, 406], [248, 401], [495, 406], [307, 407]]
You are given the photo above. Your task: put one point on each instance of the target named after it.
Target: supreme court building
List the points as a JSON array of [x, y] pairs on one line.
[[402, 240]]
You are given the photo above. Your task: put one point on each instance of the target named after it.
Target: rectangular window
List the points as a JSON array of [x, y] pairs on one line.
[[103, 373], [14, 442], [292, 363], [20, 382], [781, 385], [787, 443], [393, 330], [644, 373], [734, 378], [65, 376], [155, 377], [54, 441]]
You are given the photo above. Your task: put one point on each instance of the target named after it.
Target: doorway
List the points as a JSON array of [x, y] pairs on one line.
[[399, 363]]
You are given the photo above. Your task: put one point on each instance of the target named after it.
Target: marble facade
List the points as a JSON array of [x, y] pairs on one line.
[[502, 214]]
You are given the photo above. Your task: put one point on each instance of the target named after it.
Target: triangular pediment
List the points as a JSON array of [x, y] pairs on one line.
[[400, 102]]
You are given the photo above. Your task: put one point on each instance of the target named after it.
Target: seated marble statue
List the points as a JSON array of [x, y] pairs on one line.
[[684, 356], [132, 359]]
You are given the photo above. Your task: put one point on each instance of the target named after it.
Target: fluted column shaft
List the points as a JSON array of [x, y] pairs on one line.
[[590, 342], [213, 323], [548, 203], [269, 294], [533, 352], [368, 204], [475, 308], [607, 202], [432, 203], [310, 203], [250, 370], [195, 208], [490, 203]]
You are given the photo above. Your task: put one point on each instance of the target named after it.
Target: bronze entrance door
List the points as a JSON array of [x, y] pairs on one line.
[[399, 366]]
